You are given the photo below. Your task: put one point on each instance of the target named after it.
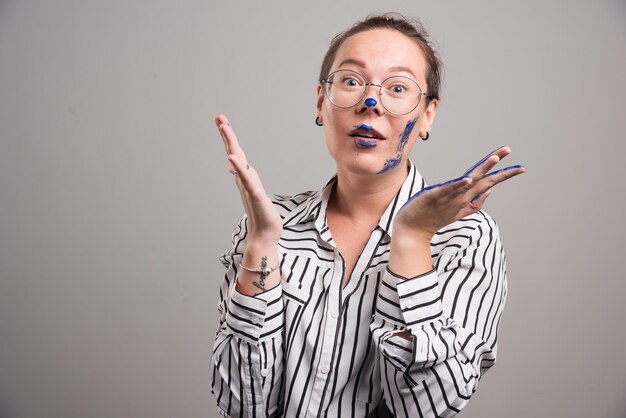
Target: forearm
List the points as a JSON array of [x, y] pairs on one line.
[[451, 317], [410, 257]]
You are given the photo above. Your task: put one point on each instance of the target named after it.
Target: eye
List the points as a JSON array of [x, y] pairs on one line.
[[351, 81], [400, 87]]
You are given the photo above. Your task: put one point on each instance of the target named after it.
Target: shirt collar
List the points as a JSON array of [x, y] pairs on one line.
[[314, 207]]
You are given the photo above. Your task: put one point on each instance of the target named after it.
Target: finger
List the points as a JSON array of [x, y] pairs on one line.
[[489, 162], [476, 204], [513, 170], [479, 200], [449, 187], [491, 179], [501, 175], [482, 160], [228, 136]]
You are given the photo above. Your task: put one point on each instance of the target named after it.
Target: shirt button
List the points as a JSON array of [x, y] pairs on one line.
[[324, 369], [265, 372], [256, 319], [334, 315]]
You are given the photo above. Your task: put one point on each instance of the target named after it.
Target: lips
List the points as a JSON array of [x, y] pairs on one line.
[[366, 132]]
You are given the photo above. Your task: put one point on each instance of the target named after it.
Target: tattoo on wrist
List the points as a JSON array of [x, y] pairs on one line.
[[261, 283]]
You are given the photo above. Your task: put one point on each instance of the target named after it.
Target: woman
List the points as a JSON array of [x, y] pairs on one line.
[[375, 295]]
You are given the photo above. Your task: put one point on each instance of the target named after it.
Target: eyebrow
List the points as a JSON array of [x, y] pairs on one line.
[[361, 64]]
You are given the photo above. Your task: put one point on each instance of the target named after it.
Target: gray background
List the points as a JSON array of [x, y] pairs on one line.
[[115, 199]]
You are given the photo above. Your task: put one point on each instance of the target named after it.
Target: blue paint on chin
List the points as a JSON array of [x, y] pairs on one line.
[[369, 102], [365, 143], [392, 163], [364, 127]]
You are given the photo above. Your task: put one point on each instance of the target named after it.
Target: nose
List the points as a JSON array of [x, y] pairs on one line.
[[370, 103]]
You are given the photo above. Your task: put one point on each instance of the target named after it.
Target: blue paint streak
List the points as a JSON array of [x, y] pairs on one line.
[[365, 143], [482, 160], [434, 186], [369, 102], [392, 163], [364, 127], [464, 176], [493, 173]]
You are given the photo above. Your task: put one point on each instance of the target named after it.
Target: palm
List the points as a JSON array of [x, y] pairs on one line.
[[264, 222], [436, 206]]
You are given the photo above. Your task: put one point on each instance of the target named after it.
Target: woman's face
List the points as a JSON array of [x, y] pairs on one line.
[[377, 55]]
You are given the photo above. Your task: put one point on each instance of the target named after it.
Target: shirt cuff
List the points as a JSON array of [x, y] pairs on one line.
[[255, 318], [409, 302]]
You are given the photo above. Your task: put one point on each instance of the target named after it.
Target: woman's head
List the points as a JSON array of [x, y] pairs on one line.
[[397, 22], [370, 97]]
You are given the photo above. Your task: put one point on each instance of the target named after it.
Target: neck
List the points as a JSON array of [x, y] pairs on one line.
[[364, 198]]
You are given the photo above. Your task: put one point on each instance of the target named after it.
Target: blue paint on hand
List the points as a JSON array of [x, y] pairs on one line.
[[404, 139], [364, 127], [435, 186], [512, 167], [369, 102], [365, 143]]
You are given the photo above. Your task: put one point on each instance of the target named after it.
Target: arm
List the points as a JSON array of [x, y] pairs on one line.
[[247, 356], [431, 324], [246, 364], [451, 316]]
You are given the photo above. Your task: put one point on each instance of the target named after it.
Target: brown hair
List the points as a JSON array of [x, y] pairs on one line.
[[409, 27]]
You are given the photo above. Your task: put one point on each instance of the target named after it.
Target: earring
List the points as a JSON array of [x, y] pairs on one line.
[[318, 122], [425, 138]]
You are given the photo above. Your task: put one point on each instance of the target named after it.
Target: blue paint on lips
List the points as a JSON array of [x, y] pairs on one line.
[[364, 127], [365, 143], [392, 163]]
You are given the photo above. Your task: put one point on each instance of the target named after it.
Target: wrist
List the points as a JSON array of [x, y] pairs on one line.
[[410, 253], [414, 238]]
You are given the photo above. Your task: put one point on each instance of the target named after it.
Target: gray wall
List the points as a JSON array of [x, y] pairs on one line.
[[115, 199]]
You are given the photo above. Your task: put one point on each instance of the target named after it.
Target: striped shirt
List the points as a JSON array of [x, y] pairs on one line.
[[312, 348]]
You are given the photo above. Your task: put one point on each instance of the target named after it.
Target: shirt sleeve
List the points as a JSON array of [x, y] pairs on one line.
[[247, 360], [452, 314]]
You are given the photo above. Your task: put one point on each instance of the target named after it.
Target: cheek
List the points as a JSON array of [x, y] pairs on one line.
[[404, 140]]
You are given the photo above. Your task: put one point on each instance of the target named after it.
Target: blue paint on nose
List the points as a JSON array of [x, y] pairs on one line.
[[369, 102]]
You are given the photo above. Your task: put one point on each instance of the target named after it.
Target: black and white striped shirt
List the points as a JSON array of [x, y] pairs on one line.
[[309, 347]]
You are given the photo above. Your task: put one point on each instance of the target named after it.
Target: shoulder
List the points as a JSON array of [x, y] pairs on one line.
[[297, 208], [288, 203]]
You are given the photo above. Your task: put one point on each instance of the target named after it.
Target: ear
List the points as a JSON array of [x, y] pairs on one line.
[[320, 97], [429, 114]]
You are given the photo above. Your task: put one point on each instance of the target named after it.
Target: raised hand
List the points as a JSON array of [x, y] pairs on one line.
[[264, 222], [441, 204]]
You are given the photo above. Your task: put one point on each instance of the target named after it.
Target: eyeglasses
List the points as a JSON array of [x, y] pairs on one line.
[[399, 95]]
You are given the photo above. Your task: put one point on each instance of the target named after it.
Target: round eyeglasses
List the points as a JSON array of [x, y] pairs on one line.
[[399, 95]]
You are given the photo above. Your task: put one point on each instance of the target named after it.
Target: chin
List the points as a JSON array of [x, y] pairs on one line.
[[362, 164]]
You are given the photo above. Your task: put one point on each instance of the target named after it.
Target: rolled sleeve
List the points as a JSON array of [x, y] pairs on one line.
[[410, 302], [255, 318]]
